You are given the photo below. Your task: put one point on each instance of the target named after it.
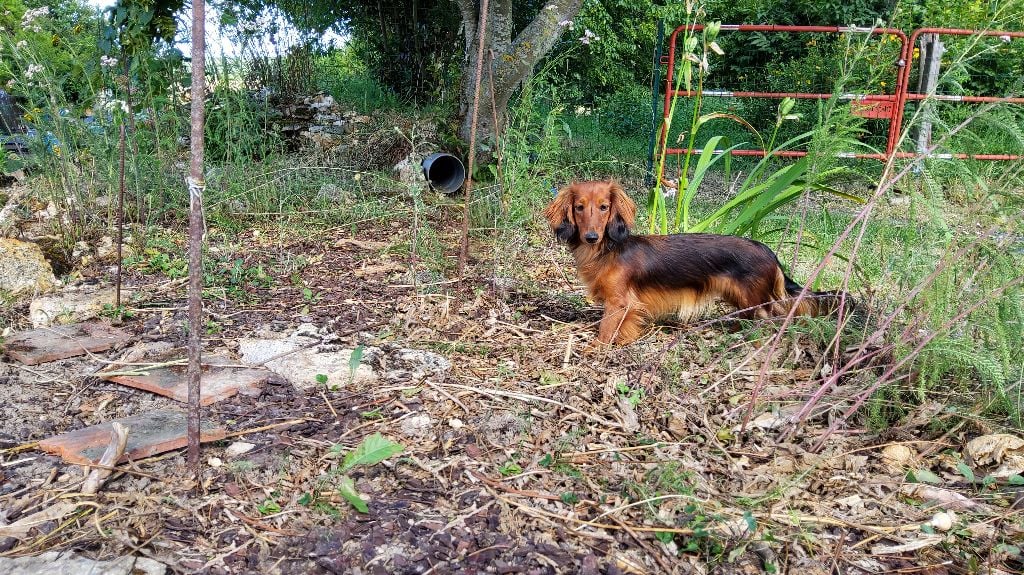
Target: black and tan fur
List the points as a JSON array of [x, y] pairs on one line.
[[643, 278]]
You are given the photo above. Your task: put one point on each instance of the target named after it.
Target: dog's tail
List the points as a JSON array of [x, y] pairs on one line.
[[814, 302]]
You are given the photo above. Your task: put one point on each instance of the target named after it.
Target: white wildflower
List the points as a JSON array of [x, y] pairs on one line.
[[589, 37], [31, 16], [21, 44], [108, 61], [115, 104], [32, 70], [10, 84], [566, 24], [1005, 38]]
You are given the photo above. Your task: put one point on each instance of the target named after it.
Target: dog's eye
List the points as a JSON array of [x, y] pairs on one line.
[[604, 208], [579, 208]]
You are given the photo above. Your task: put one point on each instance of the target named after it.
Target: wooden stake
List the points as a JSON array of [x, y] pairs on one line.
[[196, 184]]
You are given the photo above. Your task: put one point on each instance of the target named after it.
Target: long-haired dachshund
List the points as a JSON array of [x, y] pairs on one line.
[[641, 278]]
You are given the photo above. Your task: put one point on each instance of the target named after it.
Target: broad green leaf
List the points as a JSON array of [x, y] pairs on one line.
[[354, 360], [748, 517], [1015, 480], [967, 472], [1008, 549], [374, 449], [347, 489], [736, 552], [925, 476], [707, 159]]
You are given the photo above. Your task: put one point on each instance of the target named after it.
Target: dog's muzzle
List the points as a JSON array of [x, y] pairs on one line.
[[591, 237]]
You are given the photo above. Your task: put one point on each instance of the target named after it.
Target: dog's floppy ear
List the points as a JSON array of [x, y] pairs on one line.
[[623, 214], [559, 214]]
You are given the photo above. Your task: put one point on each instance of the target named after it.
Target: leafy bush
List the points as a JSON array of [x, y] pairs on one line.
[[627, 111]]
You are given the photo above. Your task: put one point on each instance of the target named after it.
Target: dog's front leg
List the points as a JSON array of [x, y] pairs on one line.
[[621, 321]]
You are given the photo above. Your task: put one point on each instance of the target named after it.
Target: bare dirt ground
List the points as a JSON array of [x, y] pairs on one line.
[[529, 455]]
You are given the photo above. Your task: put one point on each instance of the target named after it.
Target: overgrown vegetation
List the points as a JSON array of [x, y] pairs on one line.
[[930, 249]]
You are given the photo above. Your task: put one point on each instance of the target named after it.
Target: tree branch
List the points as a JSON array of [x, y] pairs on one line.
[[500, 25], [539, 36], [468, 9]]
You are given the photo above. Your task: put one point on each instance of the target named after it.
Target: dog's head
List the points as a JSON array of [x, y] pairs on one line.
[[589, 212]]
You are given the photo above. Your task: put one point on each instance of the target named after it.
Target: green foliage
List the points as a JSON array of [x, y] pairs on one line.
[[393, 40], [238, 127], [371, 451], [345, 77], [626, 112], [510, 468], [617, 60], [268, 507], [347, 489], [48, 46]]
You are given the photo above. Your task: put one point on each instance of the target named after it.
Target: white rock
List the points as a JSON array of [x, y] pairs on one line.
[[214, 462], [419, 425], [238, 448], [23, 269], [898, 457], [943, 520], [456, 423], [71, 305], [300, 364]]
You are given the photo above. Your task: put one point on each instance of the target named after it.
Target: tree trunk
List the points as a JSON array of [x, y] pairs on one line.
[[507, 62]]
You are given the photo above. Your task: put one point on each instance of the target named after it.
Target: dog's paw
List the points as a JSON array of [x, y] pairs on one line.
[[594, 347]]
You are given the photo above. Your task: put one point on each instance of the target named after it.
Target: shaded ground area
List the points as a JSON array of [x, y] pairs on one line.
[[528, 455]]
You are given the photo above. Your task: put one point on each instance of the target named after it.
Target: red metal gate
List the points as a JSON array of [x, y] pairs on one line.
[[907, 96], [878, 106]]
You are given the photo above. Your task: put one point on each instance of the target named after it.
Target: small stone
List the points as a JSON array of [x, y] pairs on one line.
[[214, 462], [943, 520], [419, 425], [897, 456], [456, 423], [238, 448]]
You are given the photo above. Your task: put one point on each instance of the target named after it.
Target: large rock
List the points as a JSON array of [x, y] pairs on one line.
[[301, 356], [71, 305], [307, 352], [23, 269]]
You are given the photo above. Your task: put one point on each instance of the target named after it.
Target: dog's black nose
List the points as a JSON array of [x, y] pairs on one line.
[[591, 237]]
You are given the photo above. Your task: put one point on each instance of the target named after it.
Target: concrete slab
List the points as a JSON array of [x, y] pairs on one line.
[[46, 344], [149, 434], [218, 382], [70, 563]]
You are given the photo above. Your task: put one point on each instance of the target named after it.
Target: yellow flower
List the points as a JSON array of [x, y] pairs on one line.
[[882, 84]]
